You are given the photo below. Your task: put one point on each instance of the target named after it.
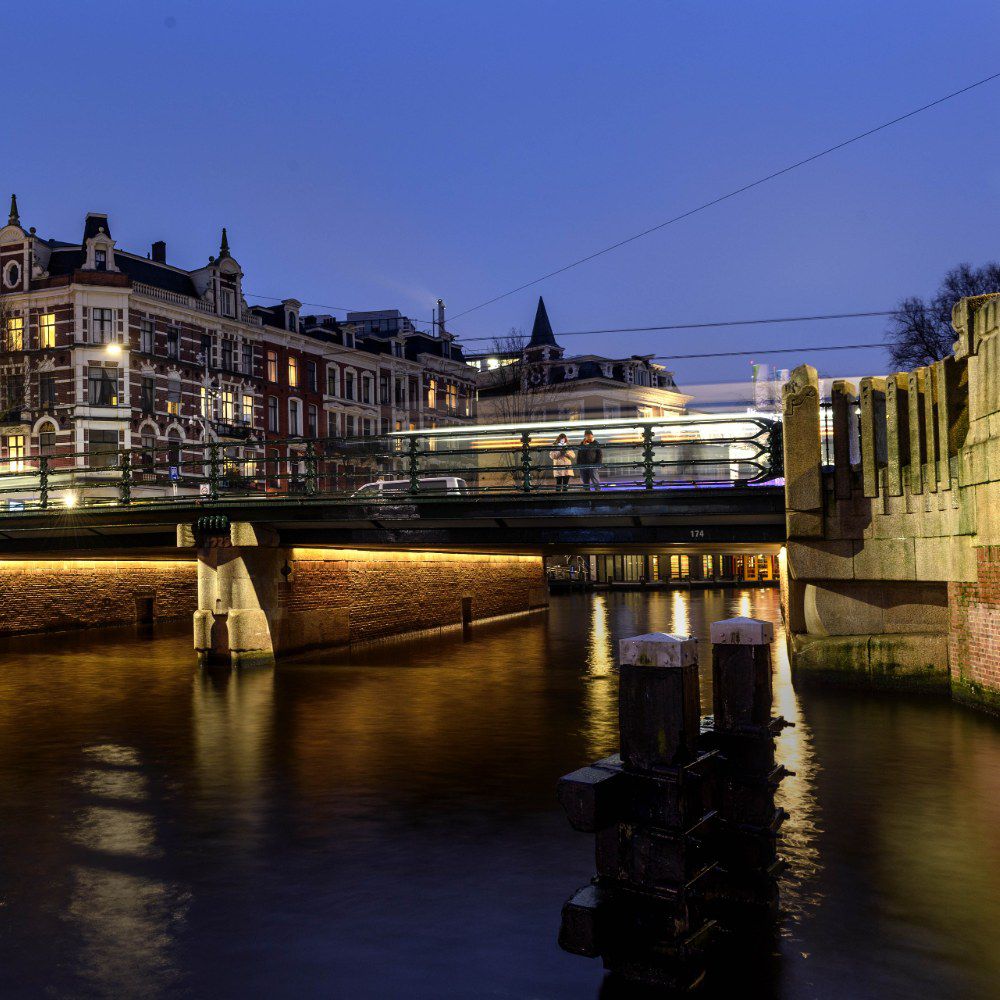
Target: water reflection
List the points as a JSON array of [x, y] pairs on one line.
[[383, 823], [124, 914], [601, 686], [232, 715]]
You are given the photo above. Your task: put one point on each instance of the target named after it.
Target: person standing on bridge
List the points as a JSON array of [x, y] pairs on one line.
[[562, 462], [588, 461]]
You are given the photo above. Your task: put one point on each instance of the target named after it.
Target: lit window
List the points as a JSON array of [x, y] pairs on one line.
[[293, 371], [15, 334], [203, 401], [247, 408], [272, 366], [14, 444], [228, 405], [174, 396], [432, 394], [47, 330]]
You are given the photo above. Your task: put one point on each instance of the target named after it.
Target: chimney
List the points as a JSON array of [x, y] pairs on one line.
[[440, 317], [160, 252]]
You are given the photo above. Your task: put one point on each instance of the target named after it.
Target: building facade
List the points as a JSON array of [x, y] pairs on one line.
[[538, 381], [106, 352]]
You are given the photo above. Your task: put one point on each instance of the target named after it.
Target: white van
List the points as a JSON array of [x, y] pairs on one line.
[[443, 485]]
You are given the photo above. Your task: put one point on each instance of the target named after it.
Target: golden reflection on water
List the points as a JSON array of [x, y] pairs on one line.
[[799, 844], [681, 620], [601, 702], [746, 605], [683, 613]]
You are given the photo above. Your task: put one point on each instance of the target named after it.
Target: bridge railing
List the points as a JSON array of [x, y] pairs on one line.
[[522, 458]]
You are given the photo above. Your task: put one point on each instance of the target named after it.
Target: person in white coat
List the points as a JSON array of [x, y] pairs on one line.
[[563, 458]]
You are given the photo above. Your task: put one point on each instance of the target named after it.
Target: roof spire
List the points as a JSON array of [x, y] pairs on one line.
[[224, 246], [541, 332], [14, 219]]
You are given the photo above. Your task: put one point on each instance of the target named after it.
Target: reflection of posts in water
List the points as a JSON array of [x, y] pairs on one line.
[[684, 816]]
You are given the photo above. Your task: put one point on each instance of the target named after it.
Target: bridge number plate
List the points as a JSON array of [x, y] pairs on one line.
[[697, 532]]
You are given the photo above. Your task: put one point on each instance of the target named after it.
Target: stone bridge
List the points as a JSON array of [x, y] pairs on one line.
[[893, 561], [274, 574]]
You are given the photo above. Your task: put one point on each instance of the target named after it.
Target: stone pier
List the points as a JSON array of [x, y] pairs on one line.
[[893, 555], [259, 599]]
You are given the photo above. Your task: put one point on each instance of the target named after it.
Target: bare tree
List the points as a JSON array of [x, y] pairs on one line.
[[518, 390], [920, 331]]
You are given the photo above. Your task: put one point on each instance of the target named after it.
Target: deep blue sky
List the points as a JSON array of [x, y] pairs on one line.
[[379, 155]]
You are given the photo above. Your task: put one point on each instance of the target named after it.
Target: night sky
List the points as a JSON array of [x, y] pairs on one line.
[[380, 155]]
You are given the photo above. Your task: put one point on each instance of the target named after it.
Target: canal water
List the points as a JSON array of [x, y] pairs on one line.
[[383, 823]]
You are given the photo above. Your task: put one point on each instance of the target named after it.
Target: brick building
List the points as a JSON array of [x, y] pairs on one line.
[[106, 351]]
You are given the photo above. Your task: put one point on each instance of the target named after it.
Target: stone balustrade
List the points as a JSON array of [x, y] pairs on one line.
[[889, 552]]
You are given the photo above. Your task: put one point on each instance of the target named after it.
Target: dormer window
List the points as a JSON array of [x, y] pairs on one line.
[[12, 274], [100, 260], [292, 322], [227, 302]]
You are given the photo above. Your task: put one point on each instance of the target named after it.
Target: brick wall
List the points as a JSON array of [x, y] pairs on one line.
[[51, 595], [974, 632], [379, 594]]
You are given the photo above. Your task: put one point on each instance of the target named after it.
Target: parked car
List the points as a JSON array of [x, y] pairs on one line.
[[447, 485]]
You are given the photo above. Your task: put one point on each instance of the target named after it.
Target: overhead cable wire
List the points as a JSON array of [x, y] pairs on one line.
[[704, 326], [773, 350], [732, 194]]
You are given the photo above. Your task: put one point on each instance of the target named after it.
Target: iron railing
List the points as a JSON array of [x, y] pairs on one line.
[[635, 455]]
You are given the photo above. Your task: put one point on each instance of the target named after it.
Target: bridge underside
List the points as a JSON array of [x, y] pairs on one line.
[[689, 519]]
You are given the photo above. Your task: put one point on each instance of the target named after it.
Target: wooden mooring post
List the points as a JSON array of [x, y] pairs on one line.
[[744, 891], [684, 815]]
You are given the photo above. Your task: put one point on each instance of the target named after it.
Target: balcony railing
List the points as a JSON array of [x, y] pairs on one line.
[[175, 298]]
